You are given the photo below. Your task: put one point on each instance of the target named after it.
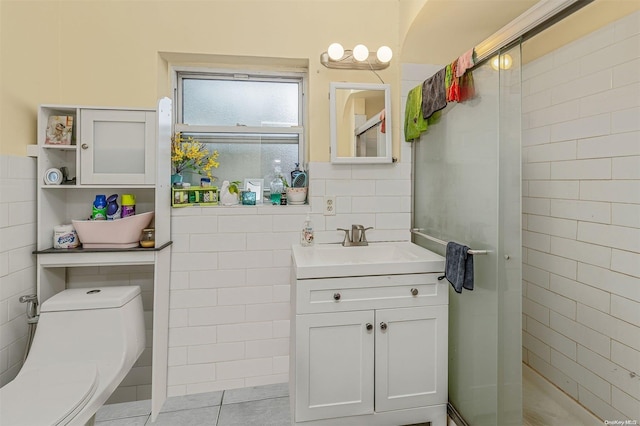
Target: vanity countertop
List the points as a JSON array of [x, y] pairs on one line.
[[386, 258]]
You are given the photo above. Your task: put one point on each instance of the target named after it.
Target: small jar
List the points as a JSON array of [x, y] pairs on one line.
[[148, 238]]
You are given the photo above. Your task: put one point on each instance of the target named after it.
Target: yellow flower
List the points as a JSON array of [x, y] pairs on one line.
[[190, 154]]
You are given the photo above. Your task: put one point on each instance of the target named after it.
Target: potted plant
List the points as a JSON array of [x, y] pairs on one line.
[[189, 154], [295, 195]]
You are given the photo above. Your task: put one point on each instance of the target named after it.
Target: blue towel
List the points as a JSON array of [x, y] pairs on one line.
[[458, 268]]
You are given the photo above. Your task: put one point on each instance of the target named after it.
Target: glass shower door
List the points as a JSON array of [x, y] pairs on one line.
[[467, 189]]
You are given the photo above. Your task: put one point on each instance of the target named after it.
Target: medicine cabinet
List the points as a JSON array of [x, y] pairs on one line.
[[360, 118]]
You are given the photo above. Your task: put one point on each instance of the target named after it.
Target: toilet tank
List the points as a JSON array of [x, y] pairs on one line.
[[81, 299], [102, 324]]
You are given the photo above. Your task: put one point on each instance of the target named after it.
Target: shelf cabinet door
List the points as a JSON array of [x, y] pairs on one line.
[[117, 147], [334, 365], [411, 363]]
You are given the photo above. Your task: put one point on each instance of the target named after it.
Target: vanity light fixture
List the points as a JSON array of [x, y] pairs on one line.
[[357, 59]]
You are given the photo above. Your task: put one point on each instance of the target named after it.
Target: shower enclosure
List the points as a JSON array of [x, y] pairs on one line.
[[467, 188]]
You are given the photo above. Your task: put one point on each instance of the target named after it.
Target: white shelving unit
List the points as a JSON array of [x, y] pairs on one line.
[[112, 150]]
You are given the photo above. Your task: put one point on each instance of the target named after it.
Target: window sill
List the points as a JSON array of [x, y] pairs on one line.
[[263, 208]]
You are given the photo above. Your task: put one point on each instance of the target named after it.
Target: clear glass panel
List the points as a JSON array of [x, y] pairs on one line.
[[467, 189], [233, 102], [118, 147], [510, 244], [250, 156]]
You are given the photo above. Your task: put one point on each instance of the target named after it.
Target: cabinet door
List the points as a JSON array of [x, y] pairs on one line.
[[411, 357], [334, 365], [117, 147]]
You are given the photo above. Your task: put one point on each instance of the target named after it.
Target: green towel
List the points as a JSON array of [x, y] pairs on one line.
[[414, 123]]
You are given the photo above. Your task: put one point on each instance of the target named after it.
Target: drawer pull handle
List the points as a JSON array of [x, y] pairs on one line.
[[414, 291], [369, 326], [336, 296], [383, 326]]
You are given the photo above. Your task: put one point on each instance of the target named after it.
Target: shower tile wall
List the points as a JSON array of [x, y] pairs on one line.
[[581, 224], [231, 267], [17, 264]]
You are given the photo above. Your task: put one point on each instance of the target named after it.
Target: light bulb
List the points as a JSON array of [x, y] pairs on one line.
[[506, 61], [360, 53], [502, 62], [495, 63], [384, 54], [335, 51]]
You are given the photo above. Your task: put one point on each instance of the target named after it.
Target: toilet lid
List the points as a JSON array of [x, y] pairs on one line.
[[47, 396]]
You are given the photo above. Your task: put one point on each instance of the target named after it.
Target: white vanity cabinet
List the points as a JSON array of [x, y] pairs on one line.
[[112, 151], [369, 350]]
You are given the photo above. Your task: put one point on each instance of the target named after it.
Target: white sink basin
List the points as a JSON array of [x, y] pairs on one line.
[[334, 260]]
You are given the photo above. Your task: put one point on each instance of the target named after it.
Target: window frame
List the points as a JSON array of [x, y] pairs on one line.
[[212, 73]]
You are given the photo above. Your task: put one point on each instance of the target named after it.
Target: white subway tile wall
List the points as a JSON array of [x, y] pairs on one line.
[[231, 268], [17, 264], [581, 227]]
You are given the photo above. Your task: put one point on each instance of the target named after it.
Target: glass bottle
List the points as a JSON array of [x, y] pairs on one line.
[[148, 238], [276, 185], [277, 188]]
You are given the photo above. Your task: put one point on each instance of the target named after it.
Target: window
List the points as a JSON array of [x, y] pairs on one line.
[[252, 120]]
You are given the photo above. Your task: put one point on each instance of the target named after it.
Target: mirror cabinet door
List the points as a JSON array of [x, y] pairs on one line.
[[360, 117]]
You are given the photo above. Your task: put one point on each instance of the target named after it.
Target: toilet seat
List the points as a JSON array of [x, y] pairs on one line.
[[50, 395]]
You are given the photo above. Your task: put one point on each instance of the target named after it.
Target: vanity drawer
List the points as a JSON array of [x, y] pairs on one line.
[[371, 292]]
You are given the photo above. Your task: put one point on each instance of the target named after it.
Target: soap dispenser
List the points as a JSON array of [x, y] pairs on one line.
[[295, 173], [306, 236]]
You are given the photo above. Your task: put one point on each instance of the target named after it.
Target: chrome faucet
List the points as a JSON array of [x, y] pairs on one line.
[[357, 237]]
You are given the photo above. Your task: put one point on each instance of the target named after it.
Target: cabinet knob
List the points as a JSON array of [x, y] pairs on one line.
[[336, 296], [414, 291], [369, 326], [84, 146], [383, 326]]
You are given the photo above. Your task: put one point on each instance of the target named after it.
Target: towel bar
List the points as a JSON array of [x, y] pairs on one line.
[[444, 243]]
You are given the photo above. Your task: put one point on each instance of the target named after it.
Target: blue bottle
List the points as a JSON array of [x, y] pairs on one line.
[[99, 208], [113, 209]]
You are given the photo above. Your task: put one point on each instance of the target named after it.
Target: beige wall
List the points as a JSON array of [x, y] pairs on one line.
[[108, 52]]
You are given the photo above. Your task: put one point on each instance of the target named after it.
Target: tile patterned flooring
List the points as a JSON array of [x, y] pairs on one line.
[[260, 406], [544, 405]]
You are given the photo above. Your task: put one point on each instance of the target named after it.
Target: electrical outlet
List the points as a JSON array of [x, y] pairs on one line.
[[329, 205]]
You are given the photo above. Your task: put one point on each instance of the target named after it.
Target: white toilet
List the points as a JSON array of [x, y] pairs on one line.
[[86, 341]]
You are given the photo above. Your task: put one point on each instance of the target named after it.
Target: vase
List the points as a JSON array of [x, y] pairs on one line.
[[176, 178]]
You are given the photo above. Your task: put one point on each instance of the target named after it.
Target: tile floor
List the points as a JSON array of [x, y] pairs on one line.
[[260, 406], [544, 405]]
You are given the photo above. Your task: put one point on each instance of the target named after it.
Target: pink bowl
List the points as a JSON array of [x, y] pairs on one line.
[[119, 233]]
